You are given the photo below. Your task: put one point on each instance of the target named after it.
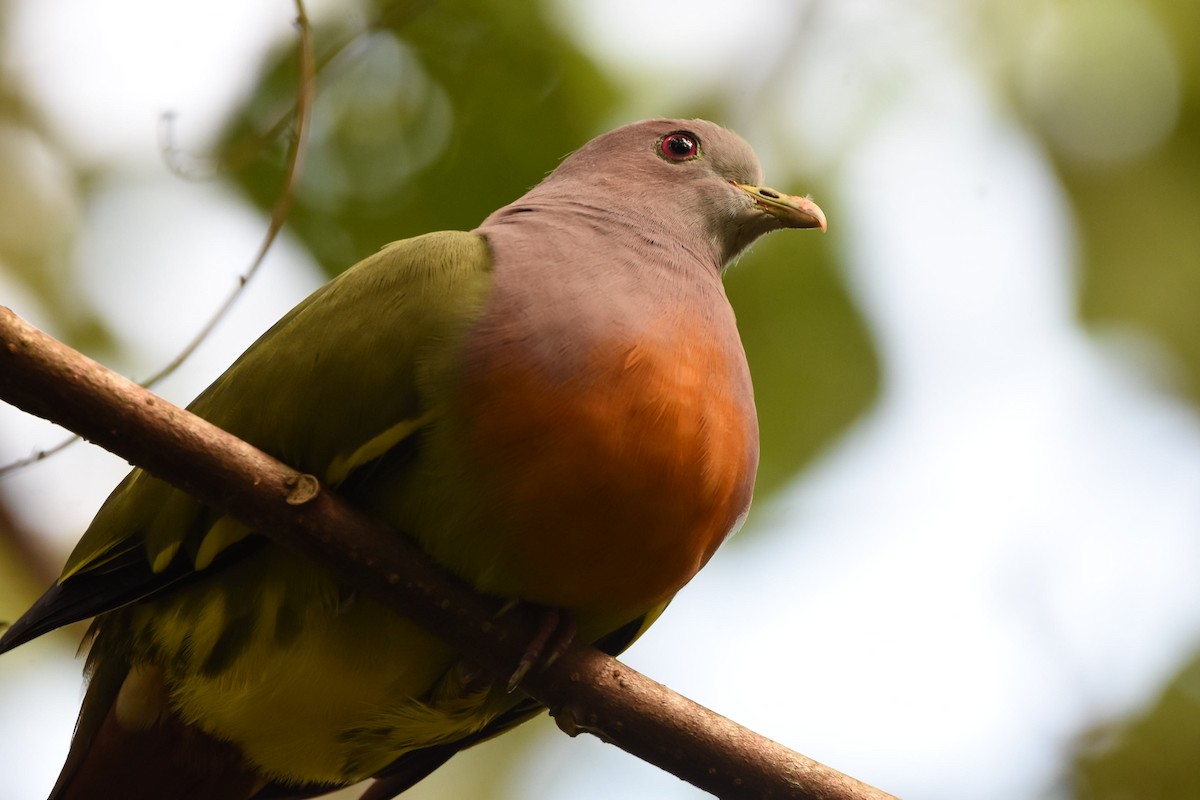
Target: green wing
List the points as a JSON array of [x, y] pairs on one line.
[[349, 375]]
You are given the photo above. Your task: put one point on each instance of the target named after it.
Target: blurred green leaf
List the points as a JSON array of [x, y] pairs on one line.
[[1138, 216], [443, 113], [1151, 756], [814, 366]]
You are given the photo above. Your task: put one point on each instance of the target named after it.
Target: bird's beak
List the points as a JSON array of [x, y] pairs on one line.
[[791, 211]]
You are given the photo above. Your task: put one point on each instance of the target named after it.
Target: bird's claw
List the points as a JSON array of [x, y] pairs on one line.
[[555, 632]]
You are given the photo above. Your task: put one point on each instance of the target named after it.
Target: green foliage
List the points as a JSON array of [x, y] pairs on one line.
[[1140, 274], [1138, 222], [814, 366], [445, 112], [1142, 243], [1151, 756]]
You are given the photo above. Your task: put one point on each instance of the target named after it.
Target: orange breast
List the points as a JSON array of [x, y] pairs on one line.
[[613, 485]]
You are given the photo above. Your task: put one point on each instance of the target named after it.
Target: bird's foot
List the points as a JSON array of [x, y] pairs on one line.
[[555, 632]]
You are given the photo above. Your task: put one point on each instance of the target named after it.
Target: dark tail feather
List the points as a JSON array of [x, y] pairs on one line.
[[164, 759]]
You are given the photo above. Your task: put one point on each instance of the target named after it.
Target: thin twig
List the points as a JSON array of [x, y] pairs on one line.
[[279, 215], [283, 204], [240, 153]]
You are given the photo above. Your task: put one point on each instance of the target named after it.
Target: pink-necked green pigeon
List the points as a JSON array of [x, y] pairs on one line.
[[555, 405]]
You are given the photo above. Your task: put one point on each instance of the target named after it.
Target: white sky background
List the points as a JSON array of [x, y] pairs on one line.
[[1001, 552]]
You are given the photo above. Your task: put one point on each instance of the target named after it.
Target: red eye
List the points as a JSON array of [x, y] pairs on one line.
[[679, 146]]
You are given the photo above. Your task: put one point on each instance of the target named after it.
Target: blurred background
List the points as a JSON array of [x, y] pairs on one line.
[[971, 567]]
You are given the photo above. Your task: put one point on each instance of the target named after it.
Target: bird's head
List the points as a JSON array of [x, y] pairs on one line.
[[687, 176]]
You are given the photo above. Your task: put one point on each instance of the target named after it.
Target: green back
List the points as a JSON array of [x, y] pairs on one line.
[[336, 383]]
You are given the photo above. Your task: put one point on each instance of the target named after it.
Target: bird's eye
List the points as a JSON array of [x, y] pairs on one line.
[[679, 146]]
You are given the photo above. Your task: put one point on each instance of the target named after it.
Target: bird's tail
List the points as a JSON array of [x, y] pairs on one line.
[[129, 744]]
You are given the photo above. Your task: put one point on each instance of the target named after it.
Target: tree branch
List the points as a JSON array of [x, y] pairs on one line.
[[586, 689]]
